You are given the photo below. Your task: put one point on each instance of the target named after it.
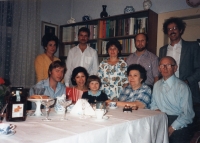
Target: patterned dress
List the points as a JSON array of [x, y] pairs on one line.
[[113, 77]]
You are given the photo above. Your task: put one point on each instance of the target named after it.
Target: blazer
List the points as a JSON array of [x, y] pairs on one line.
[[189, 68]]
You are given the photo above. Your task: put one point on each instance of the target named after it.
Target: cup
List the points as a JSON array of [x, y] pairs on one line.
[[6, 128], [113, 104], [100, 105], [99, 113]]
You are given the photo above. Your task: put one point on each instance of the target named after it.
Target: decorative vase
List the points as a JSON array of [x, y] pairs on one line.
[[147, 4], [104, 13], [128, 9], [86, 18]]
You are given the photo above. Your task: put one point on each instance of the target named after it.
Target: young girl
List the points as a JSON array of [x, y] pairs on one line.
[[94, 94]]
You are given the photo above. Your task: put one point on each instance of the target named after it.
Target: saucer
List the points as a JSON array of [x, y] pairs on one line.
[[113, 107], [7, 135]]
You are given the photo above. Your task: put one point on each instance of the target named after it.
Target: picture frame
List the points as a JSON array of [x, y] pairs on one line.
[[49, 28]]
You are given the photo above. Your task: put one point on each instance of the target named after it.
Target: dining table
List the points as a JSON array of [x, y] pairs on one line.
[[138, 126]]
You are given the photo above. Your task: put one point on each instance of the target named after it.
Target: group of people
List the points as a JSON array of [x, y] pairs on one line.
[[168, 84]]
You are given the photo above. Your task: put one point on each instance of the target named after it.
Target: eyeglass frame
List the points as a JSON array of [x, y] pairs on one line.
[[168, 66], [174, 28]]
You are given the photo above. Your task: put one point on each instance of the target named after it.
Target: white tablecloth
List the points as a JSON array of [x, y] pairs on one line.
[[141, 126]]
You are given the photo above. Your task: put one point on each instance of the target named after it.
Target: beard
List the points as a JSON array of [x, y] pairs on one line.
[[141, 49]]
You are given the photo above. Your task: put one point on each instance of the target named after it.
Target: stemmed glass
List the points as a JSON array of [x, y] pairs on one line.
[[47, 103], [83, 103], [2, 112], [65, 103]]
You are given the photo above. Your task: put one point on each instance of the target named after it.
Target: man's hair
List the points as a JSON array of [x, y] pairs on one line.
[[75, 73], [56, 64], [142, 34], [49, 37], [84, 29], [169, 57], [179, 22], [93, 78], [141, 69], [115, 43]]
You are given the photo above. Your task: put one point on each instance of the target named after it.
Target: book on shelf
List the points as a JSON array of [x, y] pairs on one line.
[[103, 47], [93, 45], [67, 34], [131, 25], [107, 28]]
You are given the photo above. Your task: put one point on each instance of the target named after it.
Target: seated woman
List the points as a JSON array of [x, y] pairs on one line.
[[137, 93], [94, 94], [78, 79], [42, 61]]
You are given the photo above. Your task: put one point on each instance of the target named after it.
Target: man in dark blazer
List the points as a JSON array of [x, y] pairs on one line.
[[186, 54]]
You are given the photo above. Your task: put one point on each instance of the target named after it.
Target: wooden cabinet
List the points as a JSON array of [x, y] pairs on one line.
[[122, 27]]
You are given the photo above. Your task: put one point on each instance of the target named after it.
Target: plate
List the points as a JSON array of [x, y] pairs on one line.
[[7, 135], [113, 107], [35, 100]]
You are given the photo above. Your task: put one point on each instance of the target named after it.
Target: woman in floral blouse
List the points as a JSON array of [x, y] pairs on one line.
[[112, 71]]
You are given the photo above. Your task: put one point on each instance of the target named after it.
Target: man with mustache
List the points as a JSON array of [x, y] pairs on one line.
[[186, 54], [81, 55], [145, 58]]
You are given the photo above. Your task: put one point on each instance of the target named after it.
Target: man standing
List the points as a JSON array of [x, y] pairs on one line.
[[173, 97], [186, 54], [53, 86], [82, 55], [145, 58]]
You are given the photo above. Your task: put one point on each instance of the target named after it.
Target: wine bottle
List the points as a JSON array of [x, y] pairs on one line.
[[17, 102]]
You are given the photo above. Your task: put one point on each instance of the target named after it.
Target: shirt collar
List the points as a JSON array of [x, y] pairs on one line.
[[145, 53], [177, 44], [46, 84], [169, 81], [97, 94]]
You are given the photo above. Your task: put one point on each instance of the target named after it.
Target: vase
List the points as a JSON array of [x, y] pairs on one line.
[[86, 18], [104, 13], [147, 4], [128, 9]]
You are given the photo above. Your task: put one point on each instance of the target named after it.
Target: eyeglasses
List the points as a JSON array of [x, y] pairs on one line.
[[168, 66], [174, 28]]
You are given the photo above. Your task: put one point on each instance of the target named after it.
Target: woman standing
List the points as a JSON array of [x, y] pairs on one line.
[[112, 71], [42, 61]]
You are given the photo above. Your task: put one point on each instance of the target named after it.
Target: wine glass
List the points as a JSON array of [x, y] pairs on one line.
[[47, 103], [83, 103], [65, 103]]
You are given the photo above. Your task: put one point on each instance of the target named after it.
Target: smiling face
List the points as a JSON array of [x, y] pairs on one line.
[[57, 74], [134, 79], [80, 79], [113, 51], [94, 86], [83, 37], [140, 42], [174, 33], [51, 47]]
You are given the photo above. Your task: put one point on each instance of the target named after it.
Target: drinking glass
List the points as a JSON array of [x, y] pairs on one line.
[[2, 112], [47, 103], [83, 103], [65, 103]]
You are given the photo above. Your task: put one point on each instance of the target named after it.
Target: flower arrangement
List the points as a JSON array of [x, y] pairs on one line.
[[3, 88]]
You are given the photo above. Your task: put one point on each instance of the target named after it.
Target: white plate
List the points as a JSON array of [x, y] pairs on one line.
[[103, 119], [113, 107], [35, 100], [7, 135]]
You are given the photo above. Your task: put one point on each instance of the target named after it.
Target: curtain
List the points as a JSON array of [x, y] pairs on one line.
[[25, 42]]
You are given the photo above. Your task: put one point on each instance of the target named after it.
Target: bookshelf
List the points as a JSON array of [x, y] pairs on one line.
[[122, 27]]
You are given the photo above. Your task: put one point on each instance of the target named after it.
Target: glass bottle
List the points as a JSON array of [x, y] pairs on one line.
[[17, 102], [104, 13]]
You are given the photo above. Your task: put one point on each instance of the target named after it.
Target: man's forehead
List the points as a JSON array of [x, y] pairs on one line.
[[166, 60]]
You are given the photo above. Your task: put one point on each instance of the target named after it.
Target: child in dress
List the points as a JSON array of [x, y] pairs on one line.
[[94, 94]]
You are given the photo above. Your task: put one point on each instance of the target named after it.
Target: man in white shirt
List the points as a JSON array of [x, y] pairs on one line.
[[82, 55]]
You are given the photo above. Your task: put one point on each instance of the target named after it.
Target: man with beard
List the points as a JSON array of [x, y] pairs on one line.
[[82, 55], [186, 54], [145, 58]]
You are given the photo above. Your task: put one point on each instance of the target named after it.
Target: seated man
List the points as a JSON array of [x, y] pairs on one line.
[[53, 86], [173, 97]]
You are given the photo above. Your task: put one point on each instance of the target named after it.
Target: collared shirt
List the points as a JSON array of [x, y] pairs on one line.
[[87, 59], [97, 94], [175, 52], [143, 94], [149, 61], [173, 97], [60, 89], [113, 77]]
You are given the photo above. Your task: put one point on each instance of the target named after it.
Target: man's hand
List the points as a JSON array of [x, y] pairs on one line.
[[170, 131]]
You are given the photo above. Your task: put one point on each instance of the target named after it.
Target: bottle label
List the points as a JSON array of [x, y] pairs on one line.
[[17, 95], [17, 110]]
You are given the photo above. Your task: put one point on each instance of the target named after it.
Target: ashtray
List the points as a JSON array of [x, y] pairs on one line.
[[127, 108]]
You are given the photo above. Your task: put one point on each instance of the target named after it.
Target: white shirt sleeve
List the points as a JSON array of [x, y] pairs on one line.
[[69, 68]]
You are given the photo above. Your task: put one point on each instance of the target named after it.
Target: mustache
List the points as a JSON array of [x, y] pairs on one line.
[[172, 33]]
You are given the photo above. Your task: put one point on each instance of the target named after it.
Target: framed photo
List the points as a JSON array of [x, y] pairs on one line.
[[49, 28]]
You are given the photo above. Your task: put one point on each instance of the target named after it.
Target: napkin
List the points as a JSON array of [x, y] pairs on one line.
[[73, 93], [77, 109]]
